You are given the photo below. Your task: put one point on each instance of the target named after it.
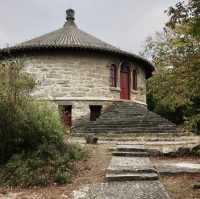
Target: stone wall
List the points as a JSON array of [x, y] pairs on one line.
[[72, 76], [140, 94], [79, 80], [81, 109]]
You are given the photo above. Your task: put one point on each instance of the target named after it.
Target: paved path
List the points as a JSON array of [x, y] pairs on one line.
[[123, 190], [128, 177], [177, 168]]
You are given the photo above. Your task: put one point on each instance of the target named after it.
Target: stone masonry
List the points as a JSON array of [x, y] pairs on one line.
[[80, 80]]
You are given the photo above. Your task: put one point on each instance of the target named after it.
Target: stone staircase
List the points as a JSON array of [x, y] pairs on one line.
[[127, 117], [130, 164]]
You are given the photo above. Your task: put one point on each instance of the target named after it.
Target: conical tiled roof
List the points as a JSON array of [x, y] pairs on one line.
[[71, 37], [68, 36]]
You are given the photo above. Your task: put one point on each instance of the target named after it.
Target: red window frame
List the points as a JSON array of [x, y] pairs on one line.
[[134, 80], [113, 75]]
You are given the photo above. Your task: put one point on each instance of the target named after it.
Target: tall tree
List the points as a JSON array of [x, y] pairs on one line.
[[176, 53]]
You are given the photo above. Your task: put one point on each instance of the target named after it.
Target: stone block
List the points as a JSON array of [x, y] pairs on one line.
[[91, 139]]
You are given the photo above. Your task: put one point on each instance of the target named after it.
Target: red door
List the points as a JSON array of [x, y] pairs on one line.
[[124, 85]]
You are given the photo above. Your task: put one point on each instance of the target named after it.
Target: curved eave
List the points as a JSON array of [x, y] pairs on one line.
[[149, 67]]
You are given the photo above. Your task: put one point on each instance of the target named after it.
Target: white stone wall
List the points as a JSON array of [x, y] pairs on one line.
[[80, 80], [72, 77], [81, 109], [140, 94]]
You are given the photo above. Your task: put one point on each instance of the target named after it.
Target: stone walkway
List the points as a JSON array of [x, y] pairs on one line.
[[128, 177], [177, 168], [123, 190]]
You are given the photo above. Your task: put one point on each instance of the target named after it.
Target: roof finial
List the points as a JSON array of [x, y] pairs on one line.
[[70, 15]]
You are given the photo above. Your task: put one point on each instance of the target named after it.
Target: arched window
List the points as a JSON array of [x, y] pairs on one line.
[[134, 79], [113, 75]]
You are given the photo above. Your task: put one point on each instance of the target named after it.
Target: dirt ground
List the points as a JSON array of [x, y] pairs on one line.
[[180, 186], [90, 171]]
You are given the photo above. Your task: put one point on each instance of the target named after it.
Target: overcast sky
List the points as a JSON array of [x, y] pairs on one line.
[[123, 23]]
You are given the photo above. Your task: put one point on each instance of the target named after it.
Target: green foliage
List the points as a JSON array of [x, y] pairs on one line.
[[174, 89], [27, 127], [32, 147], [46, 165], [15, 84]]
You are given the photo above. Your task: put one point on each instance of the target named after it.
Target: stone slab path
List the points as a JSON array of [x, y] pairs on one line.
[[128, 177], [177, 168], [123, 190], [130, 164]]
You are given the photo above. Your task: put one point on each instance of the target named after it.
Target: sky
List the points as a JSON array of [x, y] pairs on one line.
[[123, 23]]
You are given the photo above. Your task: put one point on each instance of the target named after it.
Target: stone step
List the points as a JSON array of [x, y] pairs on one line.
[[130, 130], [130, 154], [129, 170], [149, 128], [141, 124], [130, 148], [124, 127], [130, 164], [132, 177], [138, 115], [114, 132]]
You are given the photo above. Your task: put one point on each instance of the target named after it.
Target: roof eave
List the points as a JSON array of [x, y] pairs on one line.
[[149, 67]]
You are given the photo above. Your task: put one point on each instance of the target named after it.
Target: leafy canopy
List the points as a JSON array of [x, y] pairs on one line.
[[176, 54]]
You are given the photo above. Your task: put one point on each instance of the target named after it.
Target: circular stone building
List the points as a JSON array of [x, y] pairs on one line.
[[82, 74]]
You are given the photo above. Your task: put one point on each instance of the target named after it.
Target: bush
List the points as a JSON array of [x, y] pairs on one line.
[[32, 147], [47, 165], [28, 127], [193, 123], [33, 151]]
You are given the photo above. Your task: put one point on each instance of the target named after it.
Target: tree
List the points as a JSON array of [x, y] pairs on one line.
[[15, 83], [176, 53]]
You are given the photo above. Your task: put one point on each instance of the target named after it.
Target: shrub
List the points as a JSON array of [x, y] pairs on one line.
[[32, 147], [28, 127], [48, 164], [193, 123]]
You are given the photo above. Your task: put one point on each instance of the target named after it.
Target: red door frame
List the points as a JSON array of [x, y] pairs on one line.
[[124, 85]]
